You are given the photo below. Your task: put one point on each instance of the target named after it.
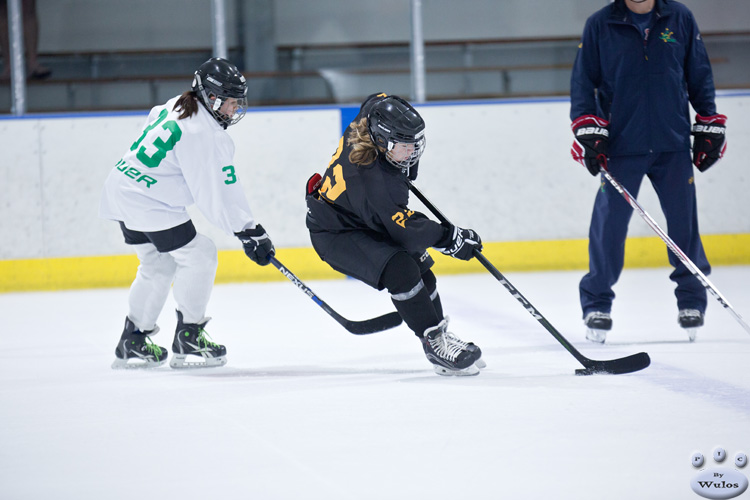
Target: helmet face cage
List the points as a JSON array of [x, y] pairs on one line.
[[394, 121], [410, 160], [219, 78]]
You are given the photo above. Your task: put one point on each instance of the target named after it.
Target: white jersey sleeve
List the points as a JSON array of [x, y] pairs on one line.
[[173, 164], [211, 177]]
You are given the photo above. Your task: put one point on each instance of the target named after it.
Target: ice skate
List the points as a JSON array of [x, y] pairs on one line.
[[136, 350], [191, 348], [469, 346], [597, 324], [690, 320], [449, 354]]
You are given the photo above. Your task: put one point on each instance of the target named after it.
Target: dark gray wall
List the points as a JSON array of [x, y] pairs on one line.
[[69, 25]]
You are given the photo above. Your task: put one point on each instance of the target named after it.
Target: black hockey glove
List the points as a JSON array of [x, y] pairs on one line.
[[257, 244], [591, 140], [709, 142], [460, 243]]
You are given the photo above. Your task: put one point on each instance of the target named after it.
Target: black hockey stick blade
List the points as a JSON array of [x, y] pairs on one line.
[[364, 327], [373, 325], [628, 364]]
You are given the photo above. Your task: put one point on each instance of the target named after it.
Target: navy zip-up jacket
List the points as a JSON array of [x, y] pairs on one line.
[[642, 87]]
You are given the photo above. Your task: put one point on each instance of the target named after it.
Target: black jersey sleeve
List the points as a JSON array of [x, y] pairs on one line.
[[384, 209]]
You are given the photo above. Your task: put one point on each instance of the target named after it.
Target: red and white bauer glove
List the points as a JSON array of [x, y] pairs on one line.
[[591, 140], [709, 141]]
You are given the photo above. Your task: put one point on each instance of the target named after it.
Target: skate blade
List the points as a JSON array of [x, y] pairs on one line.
[[465, 372], [135, 364], [180, 361], [691, 332], [480, 364], [596, 336]]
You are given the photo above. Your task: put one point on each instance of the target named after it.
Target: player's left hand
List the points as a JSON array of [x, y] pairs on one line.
[[709, 141], [462, 243], [257, 244]]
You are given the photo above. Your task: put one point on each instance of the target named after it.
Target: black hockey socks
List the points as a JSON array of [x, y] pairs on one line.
[[430, 282], [410, 294]]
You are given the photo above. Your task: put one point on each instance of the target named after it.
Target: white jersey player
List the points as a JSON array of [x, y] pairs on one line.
[[184, 156]]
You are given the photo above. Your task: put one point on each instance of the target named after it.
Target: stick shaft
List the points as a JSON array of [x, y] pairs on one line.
[[674, 248], [508, 286], [365, 327]]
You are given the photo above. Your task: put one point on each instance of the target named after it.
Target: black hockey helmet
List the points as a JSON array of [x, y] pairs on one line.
[[392, 120], [219, 78]]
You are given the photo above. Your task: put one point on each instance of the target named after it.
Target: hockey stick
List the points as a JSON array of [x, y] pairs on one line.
[[365, 327], [627, 364], [671, 244]]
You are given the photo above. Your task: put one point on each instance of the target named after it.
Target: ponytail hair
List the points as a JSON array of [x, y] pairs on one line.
[[364, 151], [188, 103]]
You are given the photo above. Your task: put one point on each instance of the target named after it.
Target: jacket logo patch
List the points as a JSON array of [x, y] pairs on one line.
[[667, 36]]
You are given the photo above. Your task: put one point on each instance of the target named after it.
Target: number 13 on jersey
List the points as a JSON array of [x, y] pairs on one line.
[[154, 141]]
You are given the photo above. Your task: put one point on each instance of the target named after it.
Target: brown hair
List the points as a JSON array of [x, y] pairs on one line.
[[364, 151], [188, 103]]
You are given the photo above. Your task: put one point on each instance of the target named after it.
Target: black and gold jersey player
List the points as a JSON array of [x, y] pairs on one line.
[[361, 225]]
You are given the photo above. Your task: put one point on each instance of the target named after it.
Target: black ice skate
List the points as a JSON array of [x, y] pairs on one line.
[[135, 349], [597, 324], [190, 340], [469, 346], [690, 320], [449, 354]]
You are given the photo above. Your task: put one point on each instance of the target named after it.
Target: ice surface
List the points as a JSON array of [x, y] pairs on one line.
[[306, 410]]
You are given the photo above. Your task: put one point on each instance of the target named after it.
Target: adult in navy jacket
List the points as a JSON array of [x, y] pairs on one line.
[[639, 66]]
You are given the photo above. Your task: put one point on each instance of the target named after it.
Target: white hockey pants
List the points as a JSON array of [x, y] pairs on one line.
[[191, 268]]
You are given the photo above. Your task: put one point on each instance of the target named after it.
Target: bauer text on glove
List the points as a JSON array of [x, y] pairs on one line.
[[460, 243], [257, 244], [709, 140], [591, 139]]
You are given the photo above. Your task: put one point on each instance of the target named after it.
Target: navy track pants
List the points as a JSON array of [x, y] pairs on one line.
[[671, 175]]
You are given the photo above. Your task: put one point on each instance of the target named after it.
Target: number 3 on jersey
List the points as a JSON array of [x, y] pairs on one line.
[[231, 176], [155, 141], [332, 189]]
